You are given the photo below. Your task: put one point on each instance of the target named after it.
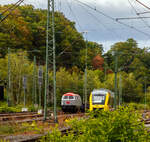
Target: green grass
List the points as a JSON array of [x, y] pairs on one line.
[[4, 108], [6, 129], [139, 106]]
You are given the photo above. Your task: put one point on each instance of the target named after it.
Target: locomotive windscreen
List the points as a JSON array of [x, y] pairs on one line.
[[65, 97], [68, 97], [98, 99], [71, 97]]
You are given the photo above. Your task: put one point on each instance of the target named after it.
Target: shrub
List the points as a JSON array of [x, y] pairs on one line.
[[139, 106], [121, 125], [6, 109]]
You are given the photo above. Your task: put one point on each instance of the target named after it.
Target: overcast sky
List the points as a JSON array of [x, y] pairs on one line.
[[100, 28]]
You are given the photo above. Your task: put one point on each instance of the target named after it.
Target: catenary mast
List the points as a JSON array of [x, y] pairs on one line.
[[50, 57]]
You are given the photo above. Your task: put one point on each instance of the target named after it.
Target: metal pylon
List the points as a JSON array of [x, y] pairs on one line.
[[50, 57]]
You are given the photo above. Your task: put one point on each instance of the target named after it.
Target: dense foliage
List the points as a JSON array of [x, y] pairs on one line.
[[24, 32], [131, 59], [25, 29], [121, 125]]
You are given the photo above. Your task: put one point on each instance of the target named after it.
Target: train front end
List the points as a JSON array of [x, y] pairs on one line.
[[71, 102], [99, 100]]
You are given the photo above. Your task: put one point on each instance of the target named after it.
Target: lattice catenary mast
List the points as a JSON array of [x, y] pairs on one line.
[[50, 56]]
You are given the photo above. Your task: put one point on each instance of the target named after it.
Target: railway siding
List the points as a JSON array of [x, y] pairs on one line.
[[31, 136]]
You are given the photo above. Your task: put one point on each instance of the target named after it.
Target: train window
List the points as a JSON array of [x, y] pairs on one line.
[[98, 99], [65, 97], [71, 97]]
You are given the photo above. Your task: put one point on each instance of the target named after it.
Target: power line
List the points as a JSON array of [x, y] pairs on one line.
[[12, 8], [129, 18], [143, 4], [139, 17], [100, 22], [113, 19], [74, 15]]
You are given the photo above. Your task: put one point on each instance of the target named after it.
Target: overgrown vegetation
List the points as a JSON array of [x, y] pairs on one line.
[[121, 125], [4, 108], [15, 128]]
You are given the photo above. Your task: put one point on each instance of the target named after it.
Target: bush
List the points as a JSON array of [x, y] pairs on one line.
[[121, 125], [139, 106], [6, 109]]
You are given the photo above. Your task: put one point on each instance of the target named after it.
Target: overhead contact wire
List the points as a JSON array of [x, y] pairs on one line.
[[98, 20], [74, 14], [138, 15], [113, 19]]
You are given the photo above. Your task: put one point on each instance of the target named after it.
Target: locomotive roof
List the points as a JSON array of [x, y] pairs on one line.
[[70, 94], [102, 91]]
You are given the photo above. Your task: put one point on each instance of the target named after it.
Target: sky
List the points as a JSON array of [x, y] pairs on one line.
[[99, 27]]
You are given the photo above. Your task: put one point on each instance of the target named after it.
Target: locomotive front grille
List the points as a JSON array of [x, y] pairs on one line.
[[68, 102]]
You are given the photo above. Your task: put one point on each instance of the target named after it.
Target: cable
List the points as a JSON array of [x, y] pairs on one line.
[[128, 18], [147, 39], [99, 22], [138, 15], [11, 9], [113, 19], [74, 15], [142, 4]]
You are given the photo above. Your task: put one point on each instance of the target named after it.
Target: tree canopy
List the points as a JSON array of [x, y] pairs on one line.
[[24, 33]]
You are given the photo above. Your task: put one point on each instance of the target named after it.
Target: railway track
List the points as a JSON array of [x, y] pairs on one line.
[[34, 137], [31, 138], [19, 117], [23, 117], [61, 119], [146, 121], [146, 117]]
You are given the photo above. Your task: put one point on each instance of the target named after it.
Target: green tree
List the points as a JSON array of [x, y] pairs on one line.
[[132, 89], [93, 80], [68, 82], [19, 66], [93, 49]]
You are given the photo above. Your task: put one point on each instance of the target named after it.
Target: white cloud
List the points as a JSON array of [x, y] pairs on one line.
[[101, 28]]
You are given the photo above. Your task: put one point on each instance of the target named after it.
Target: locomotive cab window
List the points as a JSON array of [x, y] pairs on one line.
[[98, 99], [65, 97], [71, 97]]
